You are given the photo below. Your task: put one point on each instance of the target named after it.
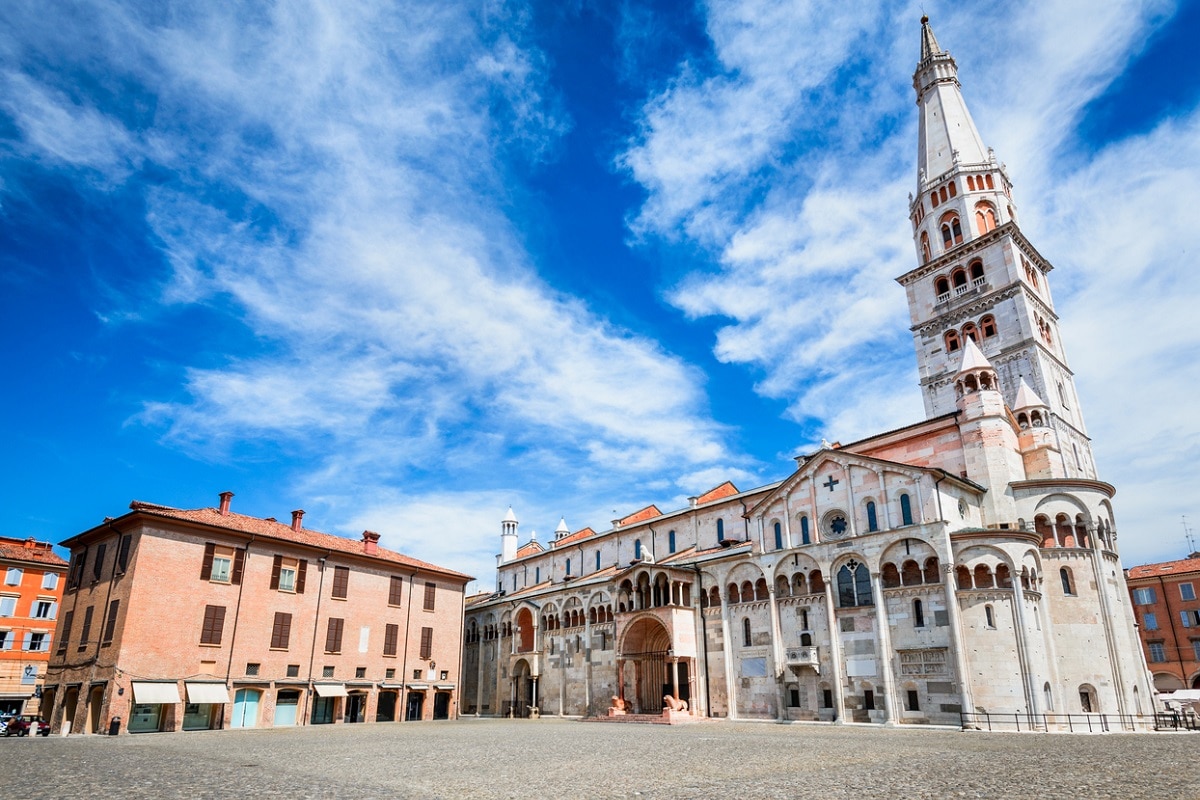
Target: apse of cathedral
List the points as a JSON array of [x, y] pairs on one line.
[[964, 563]]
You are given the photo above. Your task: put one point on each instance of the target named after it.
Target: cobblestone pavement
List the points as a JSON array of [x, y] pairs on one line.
[[553, 758]]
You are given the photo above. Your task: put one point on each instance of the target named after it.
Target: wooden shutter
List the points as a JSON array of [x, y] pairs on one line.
[[214, 624], [110, 625], [301, 572], [77, 569], [430, 594], [341, 581], [275, 567], [206, 565], [98, 565], [394, 592], [426, 642], [282, 630], [390, 634], [333, 635], [239, 563], [68, 618], [87, 627], [123, 553]]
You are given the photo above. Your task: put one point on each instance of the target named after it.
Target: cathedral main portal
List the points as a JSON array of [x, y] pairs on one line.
[[648, 669]]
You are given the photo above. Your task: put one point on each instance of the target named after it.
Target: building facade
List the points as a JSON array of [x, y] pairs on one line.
[[192, 619], [30, 597], [964, 563], [1168, 614]]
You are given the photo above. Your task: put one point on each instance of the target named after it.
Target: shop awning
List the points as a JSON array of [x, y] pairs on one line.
[[418, 687], [149, 693], [207, 693], [330, 689], [444, 687]]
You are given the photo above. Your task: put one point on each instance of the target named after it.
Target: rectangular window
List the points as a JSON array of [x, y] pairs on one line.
[[868, 700], [44, 609], [1144, 597], [827, 698], [1150, 621], [37, 642], [98, 563], [285, 575], [360, 672], [68, 619], [341, 582], [390, 634], [214, 624], [8, 606], [416, 674], [430, 595], [6, 640], [333, 635], [78, 561], [326, 672], [394, 587], [1196, 649], [110, 622], [1187, 592], [1158, 653], [914, 701], [252, 668], [426, 642], [1191, 619], [281, 631], [123, 553], [293, 670], [13, 576], [86, 631], [50, 581], [218, 563], [389, 673]]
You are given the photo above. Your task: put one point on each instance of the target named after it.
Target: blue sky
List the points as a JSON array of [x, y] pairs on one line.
[[405, 264]]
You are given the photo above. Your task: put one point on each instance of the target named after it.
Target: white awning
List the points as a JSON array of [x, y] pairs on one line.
[[207, 693], [330, 689], [418, 687], [444, 687], [150, 693]]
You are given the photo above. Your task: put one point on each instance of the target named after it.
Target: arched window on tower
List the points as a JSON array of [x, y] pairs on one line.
[[747, 638], [990, 184], [987, 326], [941, 288], [985, 217], [568, 566], [951, 231], [959, 279], [918, 614], [976, 268], [1068, 581], [953, 187], [597, 560], [969, 331], [952, 341], [970, 183], [925, 252], [778, 536]]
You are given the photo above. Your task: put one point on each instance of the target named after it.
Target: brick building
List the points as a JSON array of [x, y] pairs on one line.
[[1167, 608], [966, 563], [203, 618], [29, 601]]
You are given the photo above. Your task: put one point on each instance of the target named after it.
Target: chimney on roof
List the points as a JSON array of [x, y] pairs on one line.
[[225, 498], [30, 543], [297, 516], [693, 501], [370, 542]]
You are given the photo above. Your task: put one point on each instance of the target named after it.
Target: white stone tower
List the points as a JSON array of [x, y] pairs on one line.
[[508, 536], [978, 277]]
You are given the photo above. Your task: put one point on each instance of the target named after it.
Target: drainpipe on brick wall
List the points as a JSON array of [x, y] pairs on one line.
[[316, 625], [404, 659], [237, 609]]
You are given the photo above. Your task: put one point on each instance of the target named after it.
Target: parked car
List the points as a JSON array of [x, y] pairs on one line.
[[23, 726]]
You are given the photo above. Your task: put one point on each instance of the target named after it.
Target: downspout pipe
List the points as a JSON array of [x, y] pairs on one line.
[[312, 656], [404, 660], [237, 610]]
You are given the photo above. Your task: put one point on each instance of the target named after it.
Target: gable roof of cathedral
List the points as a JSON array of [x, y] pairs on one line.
[[726, 489], [649, 512], [571, 538]]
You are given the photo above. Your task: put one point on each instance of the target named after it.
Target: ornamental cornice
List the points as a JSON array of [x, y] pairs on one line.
[[960, 252], [992, 595], [919, 590], [958, 313], [1066, 483]]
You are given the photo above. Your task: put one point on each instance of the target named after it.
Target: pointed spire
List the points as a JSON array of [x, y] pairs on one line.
[[562, 529], [1027, 398], [929, 45], [973, 358], [510, 516]]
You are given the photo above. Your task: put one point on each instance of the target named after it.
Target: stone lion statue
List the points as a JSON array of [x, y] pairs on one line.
[[675, 705]]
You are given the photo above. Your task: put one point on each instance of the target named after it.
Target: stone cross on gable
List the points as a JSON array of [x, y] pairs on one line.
[[831, 483]]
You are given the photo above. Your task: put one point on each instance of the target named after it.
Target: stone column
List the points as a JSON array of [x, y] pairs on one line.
[[777, 653], [835, 655], [727, 654], [1032, 691], [956, 634], [885, 649], [1106, 619]]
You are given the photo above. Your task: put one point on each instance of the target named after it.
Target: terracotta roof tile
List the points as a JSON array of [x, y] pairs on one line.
[[574, 537], [529, 548], [649, 512], [29, 550], [1165, 568], [271, 529], [726, 489]]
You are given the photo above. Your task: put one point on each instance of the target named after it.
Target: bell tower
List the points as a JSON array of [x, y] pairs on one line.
[[978, 278]]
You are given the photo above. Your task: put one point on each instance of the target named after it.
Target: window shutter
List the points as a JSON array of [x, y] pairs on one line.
[[430, 594], [206, 566], [281, 632], [333, 636], [426, 642], [394, 590], [275, 565], [77, 569], [123, 553], [390, 634], [214, 624], [68, 618], [239, 562], [27, 642], [300, 575], [341, 581], [110, 625], [98, 565], [86, 632]]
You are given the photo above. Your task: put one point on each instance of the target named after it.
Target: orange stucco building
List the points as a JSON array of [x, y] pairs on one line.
[[30, 595], [189, 619]]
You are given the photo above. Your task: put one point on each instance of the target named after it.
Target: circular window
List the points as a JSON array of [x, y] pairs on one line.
[[835, 525]]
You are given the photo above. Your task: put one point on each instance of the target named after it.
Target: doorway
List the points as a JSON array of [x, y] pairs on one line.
[[287, 701], [356, 706], [95, 701], [245, 709], [441, 705], [385, 711], [416, 706]]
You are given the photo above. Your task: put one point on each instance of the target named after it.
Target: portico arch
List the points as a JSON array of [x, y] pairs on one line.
[[647, 669]]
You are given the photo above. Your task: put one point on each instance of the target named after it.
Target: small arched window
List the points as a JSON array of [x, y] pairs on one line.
[[969, 331], [778, 536], [746, 634], [804, 538], [637, 548], [951, 231], [568, 566], [953, 187], [970, 183], [959, 278], [918, 614], [941, 286], [720, 530], [925, 253], [989, 616], [985, 217], [933, 198], [906, 515], [976, 268], [990, 184], [987, 326], [1068, 581], [670, 541], [952, 342], [597, 560], [872, 519]]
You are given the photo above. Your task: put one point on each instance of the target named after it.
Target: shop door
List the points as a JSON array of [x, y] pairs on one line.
[[144, 717], [441, 705], [356, 707], [95, 700], [245, 709], [286, 704], [416, 704], [385, 711]]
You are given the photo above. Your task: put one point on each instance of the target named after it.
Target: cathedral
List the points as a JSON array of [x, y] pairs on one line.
[[967, 563]]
